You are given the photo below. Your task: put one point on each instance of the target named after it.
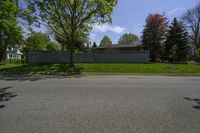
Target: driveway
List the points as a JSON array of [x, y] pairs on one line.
[[104, 104]]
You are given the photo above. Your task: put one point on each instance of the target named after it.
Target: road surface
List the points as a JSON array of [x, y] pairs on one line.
[[100, 104]]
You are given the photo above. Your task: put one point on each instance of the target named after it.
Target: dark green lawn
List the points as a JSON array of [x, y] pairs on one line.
[[28, 69], [179, 69]]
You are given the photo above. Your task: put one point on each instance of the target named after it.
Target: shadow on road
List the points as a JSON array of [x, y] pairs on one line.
[[34, 72], [5, 95], [21, 77], [194, 100]]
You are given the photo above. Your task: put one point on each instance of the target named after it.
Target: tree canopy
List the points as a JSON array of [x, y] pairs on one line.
[[10, 31], [106, 41], [72, 18], [52, 46], [191, 20], [154, 34], [198, 55], [38, 41], [177, 37], [128, 38]]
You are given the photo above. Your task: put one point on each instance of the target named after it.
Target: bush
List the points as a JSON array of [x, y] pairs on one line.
[[13, 61], [75, 70]]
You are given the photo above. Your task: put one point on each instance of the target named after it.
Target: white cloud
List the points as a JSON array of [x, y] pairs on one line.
[[101, 28], [117, 29], [105, 28], [92, 36]]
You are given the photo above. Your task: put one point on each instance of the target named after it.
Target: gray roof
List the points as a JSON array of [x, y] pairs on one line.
[[14, 50], [135, 44], [121, 46]]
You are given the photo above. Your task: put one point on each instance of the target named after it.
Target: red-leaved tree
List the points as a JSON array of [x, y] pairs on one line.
[[154, 35]]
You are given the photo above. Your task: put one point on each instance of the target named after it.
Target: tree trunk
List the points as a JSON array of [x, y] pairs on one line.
[[3, 55], [72, 60]]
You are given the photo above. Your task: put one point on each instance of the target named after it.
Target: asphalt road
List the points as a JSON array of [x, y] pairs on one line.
[[105, 104]]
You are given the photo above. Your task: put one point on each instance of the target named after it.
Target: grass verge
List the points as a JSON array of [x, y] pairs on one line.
[[102, 68]]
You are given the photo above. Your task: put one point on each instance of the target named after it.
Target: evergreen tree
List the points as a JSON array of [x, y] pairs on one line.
[[94, 45], [177, 37]]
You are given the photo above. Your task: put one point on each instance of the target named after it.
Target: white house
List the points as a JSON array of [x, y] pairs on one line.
[[14, 53]]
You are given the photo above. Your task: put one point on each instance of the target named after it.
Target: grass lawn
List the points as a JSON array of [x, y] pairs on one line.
[[114, 68]]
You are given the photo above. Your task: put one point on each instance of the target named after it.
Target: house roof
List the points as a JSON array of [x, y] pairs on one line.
[[136, 44], [14, 50], [122, 46]]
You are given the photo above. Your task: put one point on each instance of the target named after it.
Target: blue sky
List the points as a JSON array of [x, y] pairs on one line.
[[130, 15]]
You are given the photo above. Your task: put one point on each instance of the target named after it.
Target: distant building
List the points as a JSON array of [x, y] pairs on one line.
[[14, 53], [120, 48]]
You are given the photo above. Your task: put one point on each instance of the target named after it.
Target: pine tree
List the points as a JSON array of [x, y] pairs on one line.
[[94, 45], [177, 37]]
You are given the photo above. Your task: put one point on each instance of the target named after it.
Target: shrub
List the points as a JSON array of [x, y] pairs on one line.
[[75, 70], [13, 61]]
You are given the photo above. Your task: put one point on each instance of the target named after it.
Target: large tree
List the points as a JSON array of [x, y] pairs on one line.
[[38, 41], [177, 38], [106, 41], [79, 43], [10, 31], [53, 46], [128, 38], [191, 20], [154, 35], [198, 55], [72, 18]]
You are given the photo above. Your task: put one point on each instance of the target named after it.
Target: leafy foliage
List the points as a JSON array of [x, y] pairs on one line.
[[172, 53], [128, 38], [10, 31], [39, 42], [154, 35], [198, 55], [36, 42], [177, 37], [79, 43], [52, 46], [72, 19], [106, 41]]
